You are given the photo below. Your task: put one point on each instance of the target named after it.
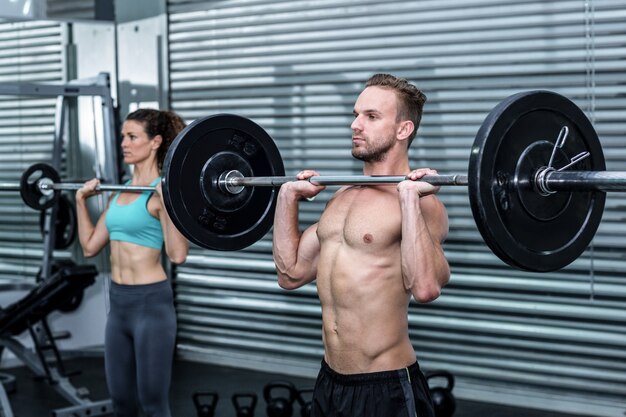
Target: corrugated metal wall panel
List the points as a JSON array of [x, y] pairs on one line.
[[68, 10], [29, 52], [296, 67]]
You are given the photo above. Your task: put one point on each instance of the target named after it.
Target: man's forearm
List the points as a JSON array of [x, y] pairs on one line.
[[424, 267], [286, 233]]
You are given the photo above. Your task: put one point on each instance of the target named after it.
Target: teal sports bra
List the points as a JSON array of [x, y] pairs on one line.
[[133, 222]]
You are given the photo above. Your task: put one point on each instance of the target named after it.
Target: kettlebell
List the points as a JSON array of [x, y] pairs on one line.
[[442, 397], [279, 406], [244, 409], [305, 406], [205, 403]]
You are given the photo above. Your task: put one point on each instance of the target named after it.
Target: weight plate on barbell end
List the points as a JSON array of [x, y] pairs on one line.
[[227, 222], [30, 191], [522, 227]]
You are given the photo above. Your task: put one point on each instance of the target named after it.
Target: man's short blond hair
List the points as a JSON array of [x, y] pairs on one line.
[[411, 99]]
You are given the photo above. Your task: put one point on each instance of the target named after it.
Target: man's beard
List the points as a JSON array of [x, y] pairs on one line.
[[373, 153]]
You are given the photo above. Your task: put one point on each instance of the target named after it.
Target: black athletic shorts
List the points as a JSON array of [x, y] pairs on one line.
[[399, 393]]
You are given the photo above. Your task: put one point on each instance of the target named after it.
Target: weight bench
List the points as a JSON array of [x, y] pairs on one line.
[[56, 293]]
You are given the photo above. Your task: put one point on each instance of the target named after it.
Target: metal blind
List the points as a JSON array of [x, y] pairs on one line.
[[71, 9], [296, 68], [29, 52]]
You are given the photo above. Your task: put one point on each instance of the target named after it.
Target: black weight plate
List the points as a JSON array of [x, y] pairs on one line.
[[29, 189], [189, 182], [523, 228], [64, 224]]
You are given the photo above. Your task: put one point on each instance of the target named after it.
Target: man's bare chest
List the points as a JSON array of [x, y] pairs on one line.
[[361, 217]]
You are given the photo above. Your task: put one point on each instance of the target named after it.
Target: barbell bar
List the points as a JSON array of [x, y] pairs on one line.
[[9, 186], [585, 181], [221, 173], [232, 182], [69, 186]]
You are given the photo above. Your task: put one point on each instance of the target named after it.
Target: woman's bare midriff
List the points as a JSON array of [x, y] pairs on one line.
[[133, 264]]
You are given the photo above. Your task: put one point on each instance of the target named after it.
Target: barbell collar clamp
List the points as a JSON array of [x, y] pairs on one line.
[[227, 182], [46, 186], [540, 182]]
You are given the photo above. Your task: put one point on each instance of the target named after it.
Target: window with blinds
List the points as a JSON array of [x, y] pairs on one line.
[[30, 52], [71, 9], [296, 68]]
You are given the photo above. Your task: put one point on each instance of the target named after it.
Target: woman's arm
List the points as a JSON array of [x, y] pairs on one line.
[[176, 245], [92, 238]]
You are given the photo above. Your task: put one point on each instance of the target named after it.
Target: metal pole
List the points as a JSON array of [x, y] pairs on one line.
[[10, 186], [15, 186], [50, 214], [586, 181], [553, 181], [454, 179], [102, 187]]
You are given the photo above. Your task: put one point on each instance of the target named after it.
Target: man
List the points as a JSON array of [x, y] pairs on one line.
[[373, 247]]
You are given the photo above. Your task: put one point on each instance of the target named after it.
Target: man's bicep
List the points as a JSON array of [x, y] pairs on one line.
[[309, 250]]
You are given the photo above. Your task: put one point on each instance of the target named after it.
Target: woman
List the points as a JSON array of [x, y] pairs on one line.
[[141, 326]]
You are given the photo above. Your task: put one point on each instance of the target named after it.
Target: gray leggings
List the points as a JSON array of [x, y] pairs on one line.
[[139, 348]]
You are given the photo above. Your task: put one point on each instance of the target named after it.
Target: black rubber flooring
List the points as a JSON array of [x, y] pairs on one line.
[[35, 397]]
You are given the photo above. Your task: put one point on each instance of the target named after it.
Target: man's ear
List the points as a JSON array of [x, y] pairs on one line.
[[405, 129], [156, 142]]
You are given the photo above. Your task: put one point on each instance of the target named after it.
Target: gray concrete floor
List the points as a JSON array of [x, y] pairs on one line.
[[35, 397]]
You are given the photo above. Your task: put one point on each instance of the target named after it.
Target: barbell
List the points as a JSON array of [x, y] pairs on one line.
[[536, 181]]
